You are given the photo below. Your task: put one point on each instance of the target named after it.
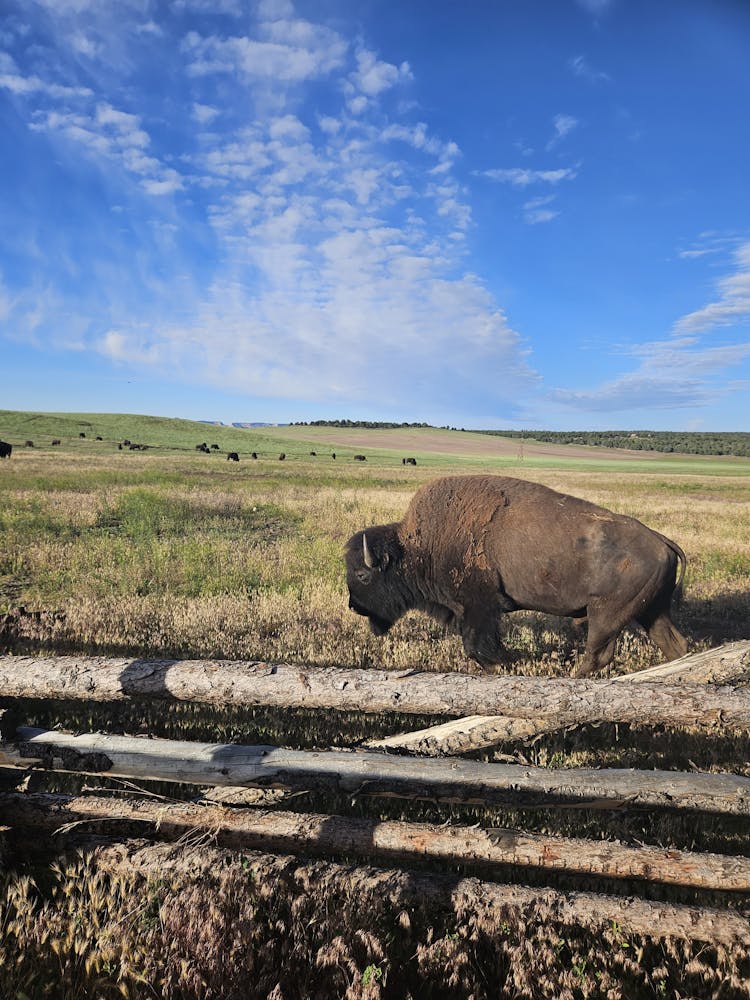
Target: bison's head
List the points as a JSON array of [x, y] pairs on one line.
[[374, 575]]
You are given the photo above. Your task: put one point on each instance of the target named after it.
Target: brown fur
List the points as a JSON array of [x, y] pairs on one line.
[[471, 548]]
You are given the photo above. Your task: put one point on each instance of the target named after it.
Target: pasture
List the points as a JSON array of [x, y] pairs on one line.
[[171, 553]]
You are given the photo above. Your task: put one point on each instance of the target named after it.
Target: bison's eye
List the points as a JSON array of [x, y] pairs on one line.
[[364, 575]]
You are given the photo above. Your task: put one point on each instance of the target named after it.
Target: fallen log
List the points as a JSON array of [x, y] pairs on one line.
[[291, 832], [403, 889], [371, 773], [459, 736], [563, 701], [726, 665]]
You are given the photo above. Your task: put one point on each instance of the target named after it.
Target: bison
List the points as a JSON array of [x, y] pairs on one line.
[[471, 548], [232, 456], [254, 455], [360, 458], [56, 442], [408, 461], [282, 456], [5, 449]]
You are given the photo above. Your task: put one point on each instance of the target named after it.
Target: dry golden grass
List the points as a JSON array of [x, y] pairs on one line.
[[284, 930], [199, 561]]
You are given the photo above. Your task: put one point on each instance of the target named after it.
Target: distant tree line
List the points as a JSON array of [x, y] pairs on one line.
[[683, 442], [370, 424]]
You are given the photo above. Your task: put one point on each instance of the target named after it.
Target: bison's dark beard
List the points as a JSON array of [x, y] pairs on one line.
[[379, 626]]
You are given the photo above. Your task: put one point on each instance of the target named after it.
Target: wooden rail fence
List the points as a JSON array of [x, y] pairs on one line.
[[498, 708]]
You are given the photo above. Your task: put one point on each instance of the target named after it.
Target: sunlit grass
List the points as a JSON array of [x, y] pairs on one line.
[[189, 555]]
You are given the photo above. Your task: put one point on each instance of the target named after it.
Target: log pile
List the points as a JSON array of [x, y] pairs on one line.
[[704, 692]]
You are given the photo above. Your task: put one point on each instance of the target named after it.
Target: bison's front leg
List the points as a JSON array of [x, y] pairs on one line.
[[481, 637]]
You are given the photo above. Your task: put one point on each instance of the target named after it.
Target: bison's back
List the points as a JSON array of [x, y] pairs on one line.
[[545, 550]]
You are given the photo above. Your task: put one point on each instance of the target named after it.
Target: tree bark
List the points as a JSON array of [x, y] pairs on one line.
[[372, 773], [459, 736], [728, 664], [291, 832], [401, 889], [564, 701]]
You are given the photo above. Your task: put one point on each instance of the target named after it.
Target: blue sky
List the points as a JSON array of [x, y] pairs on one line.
[[498, 213]]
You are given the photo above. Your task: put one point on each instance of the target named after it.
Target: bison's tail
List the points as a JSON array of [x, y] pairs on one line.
[[677, 593]]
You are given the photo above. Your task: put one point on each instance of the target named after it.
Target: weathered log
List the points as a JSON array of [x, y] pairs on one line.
[[475, 732], [402, 889], [726, 665], [372, 773], [564, 700], [290, 832]]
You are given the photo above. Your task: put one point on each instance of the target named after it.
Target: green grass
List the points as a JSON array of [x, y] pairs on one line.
[[456, 452]]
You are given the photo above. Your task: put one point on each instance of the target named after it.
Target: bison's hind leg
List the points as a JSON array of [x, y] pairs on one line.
[[662, 631], [600, 651], [605, 626]]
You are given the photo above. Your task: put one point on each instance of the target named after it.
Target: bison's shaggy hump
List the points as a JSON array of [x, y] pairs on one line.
[[471, 548]]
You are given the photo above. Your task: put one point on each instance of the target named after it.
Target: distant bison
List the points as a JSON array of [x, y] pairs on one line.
[[282, 456], [81, 435], [333, 456], [313, 453], [471, 548], [360, 458], [5, 449], [408, 461], [254, 455], [202, 447], [215, 447], [29, 444], [232, 456], [56, 442], [98, 438]]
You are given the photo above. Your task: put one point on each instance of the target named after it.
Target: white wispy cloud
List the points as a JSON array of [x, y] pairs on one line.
[[580, 67], [523, 177], [338, 230], [563, 125], [115, 135], [31, 85], [204, 114], [732, 304], [638, 391], [537, 210], [373, 76], [285, 51], [596, 7], [684, 369]]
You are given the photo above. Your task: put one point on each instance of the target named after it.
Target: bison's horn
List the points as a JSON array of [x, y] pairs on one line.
[[369, 561]]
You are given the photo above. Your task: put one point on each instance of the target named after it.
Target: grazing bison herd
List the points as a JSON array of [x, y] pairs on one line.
[[472, 548], [6, 450]]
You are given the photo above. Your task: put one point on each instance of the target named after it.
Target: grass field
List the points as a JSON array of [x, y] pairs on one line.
[[170, 552], [173, 553]]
